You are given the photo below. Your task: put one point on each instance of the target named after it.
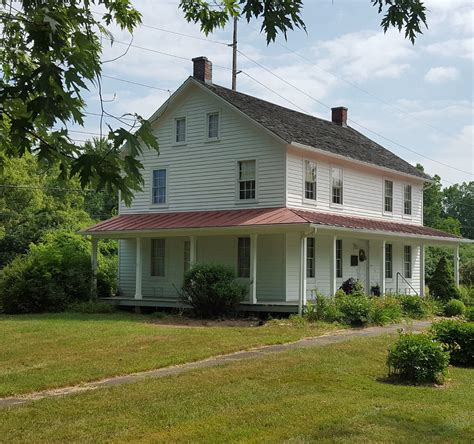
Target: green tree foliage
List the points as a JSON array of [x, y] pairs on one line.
[[458, 203], [32, 202], [442, 285]]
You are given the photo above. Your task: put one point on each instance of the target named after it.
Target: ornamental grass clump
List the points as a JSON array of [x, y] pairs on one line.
[[417, 359]]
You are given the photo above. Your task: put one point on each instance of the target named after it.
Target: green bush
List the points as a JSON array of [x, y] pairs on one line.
[[458, 338], [414, 306], [454, 307], [212, 290], [442, 285], [91, 307], [467, 295], [53, 275], [470, 314], [322, 309], [385, 309], [417, 358], [352, 286], [355, 310]]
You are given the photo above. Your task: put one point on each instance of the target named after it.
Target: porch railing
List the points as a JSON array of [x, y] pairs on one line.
[[408, 283]]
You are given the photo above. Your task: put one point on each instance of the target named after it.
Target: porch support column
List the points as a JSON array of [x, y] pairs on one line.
[[302, 298], [192, 250], [94, 266], [456, 265], [422, 269], [382, 269], [253, 268], [332, 273], [138, 268]]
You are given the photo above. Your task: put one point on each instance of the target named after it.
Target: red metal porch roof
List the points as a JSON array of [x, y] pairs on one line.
[[254, 217]]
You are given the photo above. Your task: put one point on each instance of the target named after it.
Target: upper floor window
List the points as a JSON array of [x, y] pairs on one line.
[[339, 258], [337, 185], [159, 187], [407, 261], [310, 180], [213, 126], [247, 179], [243, 257], [388, 261], [388, 196], [157, 266], [310, 259], [407, 199], [180, 130]]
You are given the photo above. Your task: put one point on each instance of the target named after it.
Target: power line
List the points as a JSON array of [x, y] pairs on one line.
[[136, 83], [184, 35]]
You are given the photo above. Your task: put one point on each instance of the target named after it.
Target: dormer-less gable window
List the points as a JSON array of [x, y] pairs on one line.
[[310, 180], [180, 130], [337, 185], [407, 200], [388, 196], [247, 179], [213, 126]]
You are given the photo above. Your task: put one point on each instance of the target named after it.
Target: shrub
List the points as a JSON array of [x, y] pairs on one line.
[[322, 309], [442, 285], [51, 276], [454, 307], [470, 314], [458, 338], [355, 310], [352, 286], [385, 310], [212, 290], [417, 358], [414, 306], [91, 307], [467, 295]]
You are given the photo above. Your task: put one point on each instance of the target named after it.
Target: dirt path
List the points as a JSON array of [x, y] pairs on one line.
[[326, 339]]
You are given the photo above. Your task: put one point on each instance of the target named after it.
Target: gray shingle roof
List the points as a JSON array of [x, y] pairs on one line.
[[293, 126]]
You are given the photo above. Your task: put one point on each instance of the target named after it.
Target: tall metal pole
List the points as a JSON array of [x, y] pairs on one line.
[[234, 56]]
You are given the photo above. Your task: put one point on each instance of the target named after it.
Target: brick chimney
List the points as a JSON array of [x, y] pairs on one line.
[[202, 69], [339, 116]]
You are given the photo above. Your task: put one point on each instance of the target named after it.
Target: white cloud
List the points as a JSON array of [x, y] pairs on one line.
[[442, 74], [463, 48]]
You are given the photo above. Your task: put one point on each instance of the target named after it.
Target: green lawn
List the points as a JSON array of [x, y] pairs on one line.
[[327, 394], [44, 351]]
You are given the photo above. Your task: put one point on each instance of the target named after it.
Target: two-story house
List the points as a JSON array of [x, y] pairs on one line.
[[292, 202]]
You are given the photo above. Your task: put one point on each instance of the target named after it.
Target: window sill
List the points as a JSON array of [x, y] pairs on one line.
[[179, 143], [158, 206], [214, 139], [387, 214], [246, 201], [338, 206], [407, 216], [310, 202]]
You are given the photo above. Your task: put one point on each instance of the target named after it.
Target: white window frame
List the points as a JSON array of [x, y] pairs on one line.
[[387, 269], [152, 256], [408, 215], [237, 182], [331, 203], [307, 200], [405, 262], [247, 275], [340, 259], [166, 203], [175, 131], [218, 137], [310, 258], [384, 210]]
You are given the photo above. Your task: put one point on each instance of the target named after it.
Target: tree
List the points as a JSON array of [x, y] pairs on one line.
[[458, 203], [50, 54], [442, 285]]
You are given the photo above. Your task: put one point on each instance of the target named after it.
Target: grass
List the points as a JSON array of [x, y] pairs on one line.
[[334, 393], [55, 350]]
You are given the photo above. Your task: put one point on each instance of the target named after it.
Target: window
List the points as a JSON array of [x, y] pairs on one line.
[[388, 261], [388, 196], [243, 257], [180, 136], [338, 258], [187, 255], [407, 261], [407, 199], [310, 180], [159, 187], [157, 257], [247, 179], [336, 180], [213, 126], [310, 260]]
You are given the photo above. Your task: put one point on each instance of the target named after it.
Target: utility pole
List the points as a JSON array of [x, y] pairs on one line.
[[234, 56]]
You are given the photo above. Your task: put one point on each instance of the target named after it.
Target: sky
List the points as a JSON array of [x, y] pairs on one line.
[[416, 100]]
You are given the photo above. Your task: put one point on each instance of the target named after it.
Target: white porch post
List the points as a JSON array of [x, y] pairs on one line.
[[138, 268], [302, 298], [422, 269], [382, 270], [94, 266], [456, 265], [253, 268], [192, 250], [332, 274]]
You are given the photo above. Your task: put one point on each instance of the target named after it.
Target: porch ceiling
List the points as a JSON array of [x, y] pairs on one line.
[[259, 218]]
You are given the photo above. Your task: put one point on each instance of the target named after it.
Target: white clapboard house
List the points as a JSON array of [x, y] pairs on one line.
[[292, 202]]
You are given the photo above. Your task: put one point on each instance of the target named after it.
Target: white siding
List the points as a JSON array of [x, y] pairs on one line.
[[293, 251], [202, 175], [362, 195]]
